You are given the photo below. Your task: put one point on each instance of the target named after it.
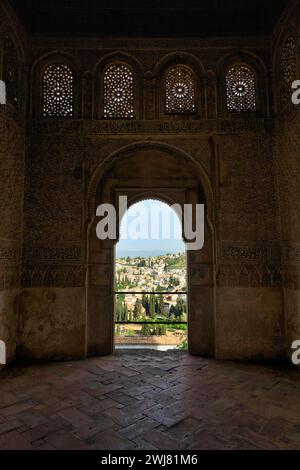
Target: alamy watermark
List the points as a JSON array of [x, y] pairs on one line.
[[296, 93], [296, 353], [2, 353], [153, 223], [2, 92]]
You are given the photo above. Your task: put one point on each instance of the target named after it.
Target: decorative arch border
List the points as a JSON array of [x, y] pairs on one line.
[[138, 73], [37, 69], [257, 65], [127, 150], [100, 254]]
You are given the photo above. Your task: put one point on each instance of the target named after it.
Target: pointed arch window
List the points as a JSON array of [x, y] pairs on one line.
[[118, 92], [11, 71], [288, 69], [241, 89], [180, 90], [58, 91]]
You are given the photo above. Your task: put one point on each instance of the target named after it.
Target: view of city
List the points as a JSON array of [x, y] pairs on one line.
[[151, 305], [150, 279]]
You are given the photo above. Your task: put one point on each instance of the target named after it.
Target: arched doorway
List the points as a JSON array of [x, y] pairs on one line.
[[151, 290], [140, 171]]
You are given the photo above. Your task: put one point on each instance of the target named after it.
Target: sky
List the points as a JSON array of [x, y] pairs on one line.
[[149, 228]]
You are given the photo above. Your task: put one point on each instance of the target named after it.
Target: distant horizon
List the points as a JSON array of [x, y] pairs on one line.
[[145, 254]]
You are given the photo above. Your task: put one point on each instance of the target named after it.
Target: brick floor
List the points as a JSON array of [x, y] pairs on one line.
[[149, 400]]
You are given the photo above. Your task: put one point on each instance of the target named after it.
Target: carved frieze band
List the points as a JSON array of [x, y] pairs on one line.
[[250, 265], [242, 253], [291, 255], [9, 252], [75, 276], [58, 253], [150, 127], [257, 276], [62, 265], [9, 277], [249, 276], [53, 276]]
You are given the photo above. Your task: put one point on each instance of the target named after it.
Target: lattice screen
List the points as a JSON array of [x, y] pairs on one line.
[[180, 90], [118, 92], [57, 91], [240, 89]]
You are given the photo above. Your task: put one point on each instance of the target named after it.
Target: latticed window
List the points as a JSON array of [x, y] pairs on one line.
[[288, 69], [11, 71], [57, 91], [240, 89], [118, 92], [180, 90]]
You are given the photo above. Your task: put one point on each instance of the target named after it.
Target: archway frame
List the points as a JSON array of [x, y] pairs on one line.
[[105, 187]]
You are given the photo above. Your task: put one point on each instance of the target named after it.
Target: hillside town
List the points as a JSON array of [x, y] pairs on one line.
[[151, 290], [164, 273]]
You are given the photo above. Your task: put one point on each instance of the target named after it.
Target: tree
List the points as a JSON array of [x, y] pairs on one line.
[[125, 311], [161, 305], [172, 312], [119, 308], [180, 308], [152, 306], [144, 301], [146, 304], [137, 312]]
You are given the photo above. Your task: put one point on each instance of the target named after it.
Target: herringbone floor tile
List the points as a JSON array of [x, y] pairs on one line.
[[149, 400]]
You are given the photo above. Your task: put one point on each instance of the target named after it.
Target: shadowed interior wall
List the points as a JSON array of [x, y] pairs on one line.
[[287, 157], [12, 152], [236, 155]]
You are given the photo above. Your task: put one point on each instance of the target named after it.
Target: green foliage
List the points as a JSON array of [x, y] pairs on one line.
[[153, 330], [183, 345], [146, 330], [123, 283], [130, 333], [178, 262], [121, 311], [174, 326], [177, 311]]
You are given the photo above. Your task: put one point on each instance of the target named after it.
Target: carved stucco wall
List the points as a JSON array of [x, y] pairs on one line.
[[287, 168], [288, 174], [12, 152], [239, 165]]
